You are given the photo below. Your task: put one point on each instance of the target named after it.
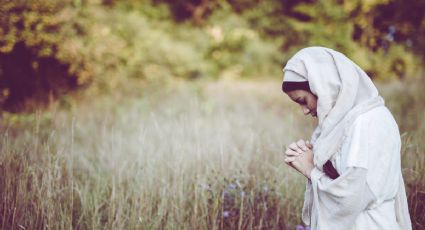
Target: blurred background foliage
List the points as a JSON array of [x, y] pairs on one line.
[[50, 48]]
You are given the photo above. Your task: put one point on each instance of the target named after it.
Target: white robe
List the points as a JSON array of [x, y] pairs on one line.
[[370, 185]]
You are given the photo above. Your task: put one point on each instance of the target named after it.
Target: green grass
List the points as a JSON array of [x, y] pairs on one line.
[[191, 156]]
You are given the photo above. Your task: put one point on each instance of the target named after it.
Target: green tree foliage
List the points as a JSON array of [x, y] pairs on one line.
[[333, 23], [196, 10], [346, 26], [29, 38], [401, 22], [50, 47]]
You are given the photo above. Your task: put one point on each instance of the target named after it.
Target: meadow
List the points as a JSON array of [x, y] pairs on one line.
[[191, 155]]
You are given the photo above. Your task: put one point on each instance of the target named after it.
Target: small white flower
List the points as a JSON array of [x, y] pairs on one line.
[[226, 214], [242, 193]]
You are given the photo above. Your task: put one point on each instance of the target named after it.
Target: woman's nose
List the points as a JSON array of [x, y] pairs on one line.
[[305, 110]]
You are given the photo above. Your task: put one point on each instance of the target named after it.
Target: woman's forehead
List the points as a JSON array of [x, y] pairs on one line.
[[298, 93]]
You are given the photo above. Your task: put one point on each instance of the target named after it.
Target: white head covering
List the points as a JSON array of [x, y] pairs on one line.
[[291, 76], [343, 89]]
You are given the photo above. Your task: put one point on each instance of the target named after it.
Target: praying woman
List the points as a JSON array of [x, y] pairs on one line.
[[352, 162]]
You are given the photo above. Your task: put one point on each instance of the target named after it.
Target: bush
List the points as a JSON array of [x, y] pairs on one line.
[[49, 48], [237, 47], [67, 46]]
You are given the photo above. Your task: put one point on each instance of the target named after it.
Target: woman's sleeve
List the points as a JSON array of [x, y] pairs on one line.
[[338, 202]]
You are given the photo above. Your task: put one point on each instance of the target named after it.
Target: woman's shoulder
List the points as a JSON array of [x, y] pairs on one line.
[[376, 124], [379, 116], [367, 134]]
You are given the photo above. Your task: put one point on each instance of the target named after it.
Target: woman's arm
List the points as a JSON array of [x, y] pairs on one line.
[[339, 201]]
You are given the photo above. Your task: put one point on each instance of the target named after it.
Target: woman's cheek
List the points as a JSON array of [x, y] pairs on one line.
[[313, 106]]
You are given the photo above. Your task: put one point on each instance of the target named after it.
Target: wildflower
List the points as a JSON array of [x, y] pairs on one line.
[[204, 186], [242, 193], [226, 214], [225, 193], [231, 186], [299, 227], [238, 183]]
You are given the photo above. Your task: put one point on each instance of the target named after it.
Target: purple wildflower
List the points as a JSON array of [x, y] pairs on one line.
[[226, 214], [231, 186], [299, 227]]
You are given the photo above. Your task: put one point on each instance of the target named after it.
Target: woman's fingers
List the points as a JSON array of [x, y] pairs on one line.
[[290, 159], [290, 152], [299, 155], [302, 145], [295, 147], [309, 145]]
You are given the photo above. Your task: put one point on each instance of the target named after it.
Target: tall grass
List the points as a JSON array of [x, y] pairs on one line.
[[407, 102], [194, 156]]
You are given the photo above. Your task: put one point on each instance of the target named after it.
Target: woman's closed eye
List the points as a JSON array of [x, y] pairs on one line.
[[300, 101]]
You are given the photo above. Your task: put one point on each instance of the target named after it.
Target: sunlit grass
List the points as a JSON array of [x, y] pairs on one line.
[[196, 156]]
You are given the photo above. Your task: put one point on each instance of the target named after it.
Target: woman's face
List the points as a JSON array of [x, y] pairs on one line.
[[306, 100]]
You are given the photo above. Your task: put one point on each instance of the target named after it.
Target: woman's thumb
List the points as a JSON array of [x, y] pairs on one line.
[[309, 145]]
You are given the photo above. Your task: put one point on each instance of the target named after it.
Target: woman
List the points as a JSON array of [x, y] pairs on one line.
[[353, 161]]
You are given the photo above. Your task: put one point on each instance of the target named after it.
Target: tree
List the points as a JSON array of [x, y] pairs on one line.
[[29, 34]]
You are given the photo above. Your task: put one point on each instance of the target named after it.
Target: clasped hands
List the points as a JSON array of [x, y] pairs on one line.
[[299, 155]]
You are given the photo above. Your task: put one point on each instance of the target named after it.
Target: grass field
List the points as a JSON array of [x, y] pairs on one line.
[[191, 156]]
